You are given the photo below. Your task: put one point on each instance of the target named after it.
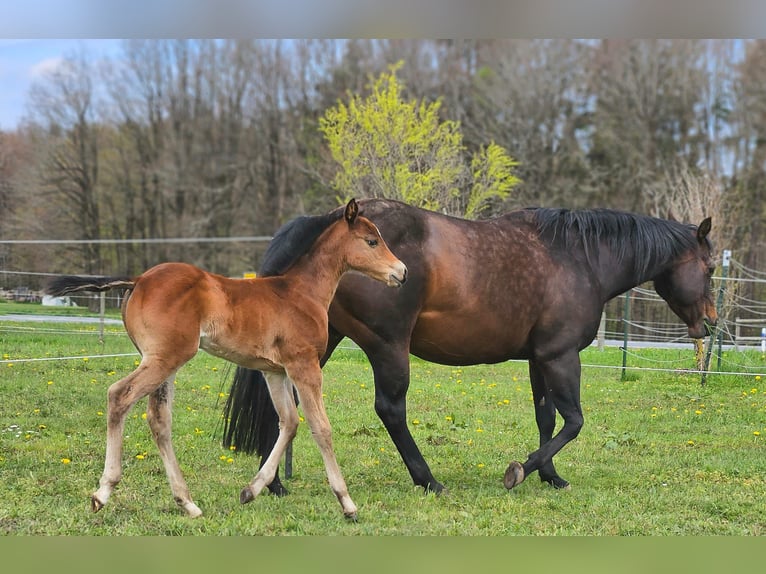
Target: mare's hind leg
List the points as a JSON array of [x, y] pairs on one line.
[[121, 397], [562, 384], [159, 416], [281, 391], [545, 416]]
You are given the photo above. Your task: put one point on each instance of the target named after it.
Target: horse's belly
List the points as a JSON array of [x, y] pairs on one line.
[[466, 342]]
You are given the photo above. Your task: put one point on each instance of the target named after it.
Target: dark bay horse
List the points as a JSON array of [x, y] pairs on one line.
[[530, 284], [276, 324]]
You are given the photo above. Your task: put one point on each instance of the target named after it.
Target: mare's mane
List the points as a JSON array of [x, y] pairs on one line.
[[648, 240], [293, 240]]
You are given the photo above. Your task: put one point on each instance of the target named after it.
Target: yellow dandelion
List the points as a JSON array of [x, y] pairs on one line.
[[10, 365], [448, 418], [416, 421], [698, 412], [42, 427], [85, 359], [382, 449], [232, 448], [221, 395], [198, 430], [50, 382], [506, 402], [758, 377], [229, 460], [757, 433], [480, 465], [143, 416], [65, 461], [222, 457], [690, 442], [100, 413], [140, 456]]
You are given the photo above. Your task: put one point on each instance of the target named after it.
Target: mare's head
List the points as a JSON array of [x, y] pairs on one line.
[[366, 252], [686, 284]]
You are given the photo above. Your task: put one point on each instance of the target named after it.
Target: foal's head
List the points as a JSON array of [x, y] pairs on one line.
[[366, 252], [686, 285]]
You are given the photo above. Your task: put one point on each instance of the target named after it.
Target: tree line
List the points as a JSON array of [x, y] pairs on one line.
[[211, 138]]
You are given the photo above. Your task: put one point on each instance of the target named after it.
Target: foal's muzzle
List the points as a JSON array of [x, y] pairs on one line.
[[399, 277]]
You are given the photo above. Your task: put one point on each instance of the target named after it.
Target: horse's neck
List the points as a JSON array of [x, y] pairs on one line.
[[618, 277], [320, 271]]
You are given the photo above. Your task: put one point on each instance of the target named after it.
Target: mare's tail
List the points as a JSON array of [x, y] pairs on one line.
[[66, 284], [251, 423]]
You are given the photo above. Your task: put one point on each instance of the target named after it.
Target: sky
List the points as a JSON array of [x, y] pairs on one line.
[[24, 60], [34, 34]]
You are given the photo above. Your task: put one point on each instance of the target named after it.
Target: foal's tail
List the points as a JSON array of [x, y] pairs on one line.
[[66, 284], [251, 423]]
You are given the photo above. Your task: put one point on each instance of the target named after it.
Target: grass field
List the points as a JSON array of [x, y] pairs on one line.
[[659, 454]]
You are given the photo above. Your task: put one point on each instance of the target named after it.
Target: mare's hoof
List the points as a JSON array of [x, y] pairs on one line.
[[278, 489], [246, 495], [351, 517], [514, 475], [95, 504], [558, 483]]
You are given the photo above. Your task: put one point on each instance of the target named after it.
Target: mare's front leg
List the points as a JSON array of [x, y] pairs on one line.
[[391, 368], [545, 416], [557, 381]]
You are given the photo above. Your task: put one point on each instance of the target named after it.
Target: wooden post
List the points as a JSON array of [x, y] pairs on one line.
[[625, 319], [601, 332], [719, 306]]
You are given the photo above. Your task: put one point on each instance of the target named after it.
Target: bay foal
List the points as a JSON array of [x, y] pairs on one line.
[[277, 324]]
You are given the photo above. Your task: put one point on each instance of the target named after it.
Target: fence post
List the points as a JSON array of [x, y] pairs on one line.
[[719, 306], [101, 313], [625, 318], [602, 331], [736, 333]]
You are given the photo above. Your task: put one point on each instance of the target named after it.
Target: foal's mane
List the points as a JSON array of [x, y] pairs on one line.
[[293, 240], [648, 239]]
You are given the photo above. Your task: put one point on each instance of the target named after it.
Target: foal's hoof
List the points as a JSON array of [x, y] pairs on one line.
[[351, 517], [95, 504], [246, 495], [514, 475]]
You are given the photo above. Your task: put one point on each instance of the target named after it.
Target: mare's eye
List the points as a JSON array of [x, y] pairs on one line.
[[372, 242]]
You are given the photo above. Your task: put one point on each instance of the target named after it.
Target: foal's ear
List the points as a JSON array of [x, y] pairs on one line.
[[352, 210], [704, 228]]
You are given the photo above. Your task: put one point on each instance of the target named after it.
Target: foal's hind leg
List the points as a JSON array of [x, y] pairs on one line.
[[121, 397], [159, 416]]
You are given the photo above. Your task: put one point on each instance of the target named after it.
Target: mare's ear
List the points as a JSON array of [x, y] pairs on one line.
[[670, 216], [704, 228], [352, 210]]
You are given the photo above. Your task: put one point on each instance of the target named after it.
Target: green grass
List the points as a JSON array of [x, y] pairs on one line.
[[659, 454]]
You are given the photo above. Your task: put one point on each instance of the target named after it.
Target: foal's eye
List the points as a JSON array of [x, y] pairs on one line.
[[372, 242]]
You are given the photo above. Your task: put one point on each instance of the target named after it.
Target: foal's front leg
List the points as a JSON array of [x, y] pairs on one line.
[[281, 391], [308, 381]]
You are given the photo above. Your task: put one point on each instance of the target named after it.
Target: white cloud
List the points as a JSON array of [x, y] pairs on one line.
[[45, 67]]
